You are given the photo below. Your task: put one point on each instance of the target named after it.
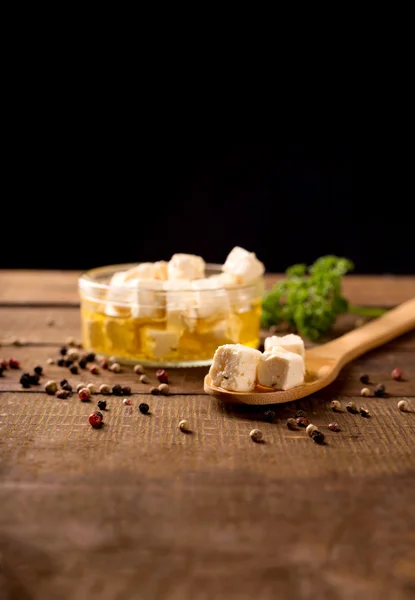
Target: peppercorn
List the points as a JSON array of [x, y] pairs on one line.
[[380, 390], [184, 426], [84, 395], [102, 404], [67, 387], [255, 435], [115, 367], [365, 392], [82, 363], [92, 388], [60, 362], [79, 344], [50, 322], [117, 390], [112, 359], [300, 413], [310, 428], [63, 351], [51, 387], [104, 363], [25, 380], [302, 421], [104, 389], [317, 437], [90, 357], [16, 342], [38, 370], [139, 369], [364, 412], [403, 405], [63, 394], [80, 386], [162, 376], [364, 378], [95, 419], [351, 408], [164, 389], [73, 354], [126, 390], [144, 408], [143, 379], [334, 426], [291, 424], [62, 383], [70, 341], [335, 406], [94, 370], [14, 364], [126, 401], [4, 364], [68, 363], [74, 370], [269, 415], [1, 370], [397, 374], [50, 361], [155, 391]]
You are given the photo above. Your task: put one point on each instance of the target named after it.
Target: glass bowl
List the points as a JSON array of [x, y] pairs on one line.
[[167, 323]]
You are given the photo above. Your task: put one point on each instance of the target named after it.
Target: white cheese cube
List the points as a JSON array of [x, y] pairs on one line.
[[224, 279], [160, 344], [160, 270], [119, 296], [243, 265], [280, 369], [180, 305], [186, 266], [141, 271], [290, 342], [229, 330], [148, 300], [234, 367], [210, 299]]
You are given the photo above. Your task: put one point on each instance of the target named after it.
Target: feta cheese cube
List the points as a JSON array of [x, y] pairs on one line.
[[141, 271], [180, 305], [160, 270], [148, 299], [210, 299], [234, 367], [119, 296], [291, 342], [280, 369], [160, 344], [186, 266], [243, 265]]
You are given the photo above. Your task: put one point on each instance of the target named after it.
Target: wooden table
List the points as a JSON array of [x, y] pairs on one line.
[[139, 510]]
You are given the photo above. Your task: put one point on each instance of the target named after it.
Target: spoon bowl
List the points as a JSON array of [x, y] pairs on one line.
[[323, 363]]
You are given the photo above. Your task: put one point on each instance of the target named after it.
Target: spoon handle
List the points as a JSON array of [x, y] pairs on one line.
[[395, 322]]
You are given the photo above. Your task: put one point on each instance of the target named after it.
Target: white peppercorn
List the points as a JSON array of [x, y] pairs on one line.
[[255, 435], [115, 367], [139, 369], [365, 392], [184, 426], [164, 388], [310, 428], [73, 354], [80, 386], [144, 379], [403, 405], [335, 405], [51, 387], [92, 388], [104, 389]]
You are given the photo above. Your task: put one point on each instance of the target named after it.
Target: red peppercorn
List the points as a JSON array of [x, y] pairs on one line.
[[95, 420], [162, 376], [104, 363], [14, 364], [84, 394], [302, 421], [334, 427], [397, 374], [94, 370], [4, 364]]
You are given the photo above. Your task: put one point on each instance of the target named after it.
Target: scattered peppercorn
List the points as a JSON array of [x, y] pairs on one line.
[[79, 344], [104, 363], [82, 363], [90, 357], [255, 435], [397, 374], [50, 361], [1, 370], [139, 369], [60, 362], [117, 390], [126, 401], [184, 426], [269, 415], [104, 389], [4, 364], [310, 428], [291, 424], [334, 426], [162, 376], [335, 406], [14, 364], [94, 370], [302, 421], [351, 408], [364, 412], [80, 386], [62, 383], [102, 404], [164, 389], [25, 380], [115, 367], [38, 370], [70, 341], [317, 437], [67, 386], [63, 351], [68, 362], [74, 369], [73, 354], [51, 387], [63, 394], [112, 359], [143, 379], [34, 379], [155, 391], [364, 378], [144, 408], [403, 405], [126, 390], [92, 388], [380, 390], [95, 419], [300, 413], [365, 392], [84, 395]]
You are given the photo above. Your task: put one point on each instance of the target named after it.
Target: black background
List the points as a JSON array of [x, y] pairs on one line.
[[94, 202]]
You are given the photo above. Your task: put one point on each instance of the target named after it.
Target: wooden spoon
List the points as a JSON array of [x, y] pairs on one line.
[[324, 362]]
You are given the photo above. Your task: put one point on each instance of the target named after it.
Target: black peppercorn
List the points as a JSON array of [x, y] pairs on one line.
[[300, 413], [68, 362], [1, 370], [365, 413], [269, 415], [82, 363], [102, 404], [60, 362], [126, 390], [90, 357], [38, 370], [144, 408], [74, 369], [117, 390], [291, 424], [380, 390], [67, 386], [351, 408], [302, 421], [317, 436], [63, 350], [155, 391], [364, 378], [25, 380], [62, 383], [34, 379]]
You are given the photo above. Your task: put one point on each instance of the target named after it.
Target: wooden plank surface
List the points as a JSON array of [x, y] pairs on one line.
[[139, 510]]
